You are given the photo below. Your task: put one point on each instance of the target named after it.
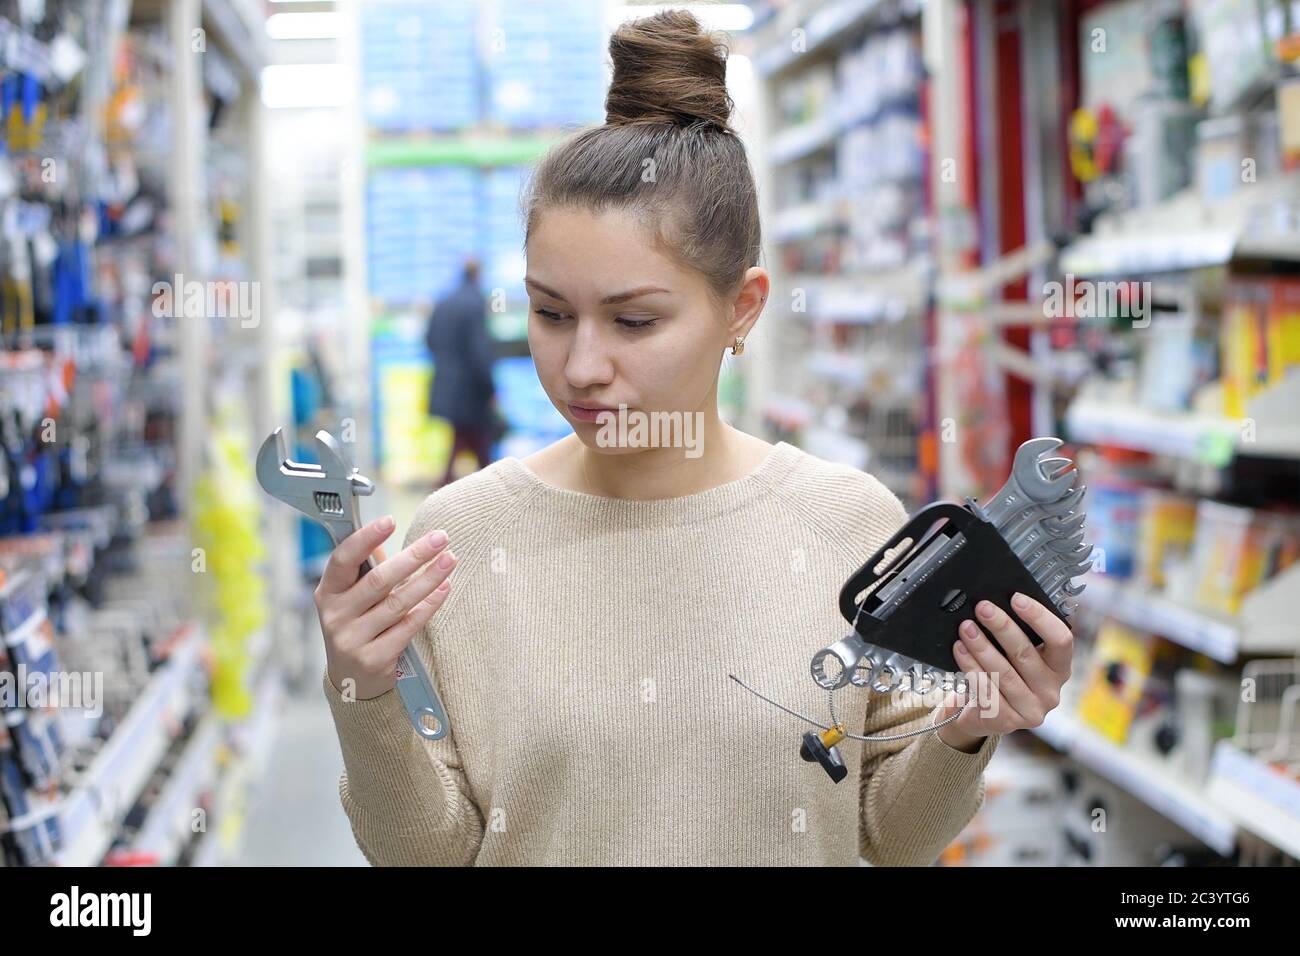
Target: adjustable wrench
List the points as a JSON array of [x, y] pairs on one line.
[[328, 494]]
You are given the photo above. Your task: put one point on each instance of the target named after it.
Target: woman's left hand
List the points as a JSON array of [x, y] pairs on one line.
[[1013, 691]]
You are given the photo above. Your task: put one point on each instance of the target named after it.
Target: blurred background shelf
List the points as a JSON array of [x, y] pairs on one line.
[[1259, 798], [93, 812], [1157, 786]]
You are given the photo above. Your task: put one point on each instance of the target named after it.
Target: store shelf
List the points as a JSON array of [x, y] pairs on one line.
[[1269, 429], [170, 822], [863, 297], [253, 742], [1260, 798], [91, 815], [1200, 438], [1185, 232], [239, 25], [25, 631], [1264, 625], [843, 367], [1211, 634], [456, 150], [803, 220], [788, 412], [1148, 251], [1154, 784], [833, 445], [828, 26], [796, 142]]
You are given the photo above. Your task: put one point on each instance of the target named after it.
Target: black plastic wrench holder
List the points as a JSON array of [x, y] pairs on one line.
[[923, 625]]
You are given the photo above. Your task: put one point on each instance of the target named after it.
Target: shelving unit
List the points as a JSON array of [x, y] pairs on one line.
[[823, 27], [850, 282], [171, 822], [249, 749], [200, 171], [1015, 216], [1264, 627], [1258, 798], [1154, 784], [1212, 439], [1186, 232], [91, 815]]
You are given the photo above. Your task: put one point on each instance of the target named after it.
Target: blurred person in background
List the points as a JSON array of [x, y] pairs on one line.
[[462, 391]]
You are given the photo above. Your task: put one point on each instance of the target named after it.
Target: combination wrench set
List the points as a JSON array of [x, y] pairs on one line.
[[327, 493], [1027, 537]]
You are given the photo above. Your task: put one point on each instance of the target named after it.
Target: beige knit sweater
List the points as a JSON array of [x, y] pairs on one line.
[[583, 656]]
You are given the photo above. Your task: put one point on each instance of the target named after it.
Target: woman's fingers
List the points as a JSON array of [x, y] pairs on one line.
[[345, 561], [1019, 651], [1057, 651], [400, 600], [1028, 679], [975, 652], [389, 645], [376, 586]]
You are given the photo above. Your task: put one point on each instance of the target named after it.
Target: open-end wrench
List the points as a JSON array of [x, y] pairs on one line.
[[1050, 562], [1038, 536], [1064, 525], [1032, 553], [1009, 525], [1058, 583], [1028, 483], [327, 493]]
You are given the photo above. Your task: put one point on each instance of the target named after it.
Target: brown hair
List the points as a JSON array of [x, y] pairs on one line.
[[667, 103]]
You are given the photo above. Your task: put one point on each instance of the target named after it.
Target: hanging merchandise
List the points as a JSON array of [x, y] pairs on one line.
[[228, 552]]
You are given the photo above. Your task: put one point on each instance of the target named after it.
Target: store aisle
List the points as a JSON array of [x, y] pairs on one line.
[[300, 782]]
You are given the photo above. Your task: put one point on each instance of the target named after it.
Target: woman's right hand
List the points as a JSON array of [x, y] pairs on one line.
[[367, 623]]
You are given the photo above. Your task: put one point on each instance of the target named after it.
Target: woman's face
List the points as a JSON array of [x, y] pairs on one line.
[[613, 321]]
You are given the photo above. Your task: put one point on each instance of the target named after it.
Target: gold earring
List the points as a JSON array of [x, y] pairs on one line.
[[738, 346]]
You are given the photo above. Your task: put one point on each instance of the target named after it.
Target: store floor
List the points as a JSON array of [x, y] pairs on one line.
[[294, 814]]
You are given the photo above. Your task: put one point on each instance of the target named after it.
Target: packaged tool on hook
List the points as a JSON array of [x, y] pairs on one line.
[[1027, 537]]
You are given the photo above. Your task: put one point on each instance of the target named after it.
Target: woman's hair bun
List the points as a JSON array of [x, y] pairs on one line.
[[667, 69]]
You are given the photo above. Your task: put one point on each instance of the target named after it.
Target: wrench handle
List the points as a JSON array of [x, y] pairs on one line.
[[419, 696]]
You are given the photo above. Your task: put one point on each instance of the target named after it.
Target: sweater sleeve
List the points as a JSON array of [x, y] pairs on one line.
[[406, 797], [918, 793]]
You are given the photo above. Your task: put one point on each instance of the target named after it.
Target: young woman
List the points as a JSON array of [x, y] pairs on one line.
[[605, 588]]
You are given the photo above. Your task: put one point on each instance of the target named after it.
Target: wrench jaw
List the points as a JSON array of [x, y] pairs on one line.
[[273, 453], [1034, 480], [325, 492], [1037, 513], [1010, 523], [335, 462]]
